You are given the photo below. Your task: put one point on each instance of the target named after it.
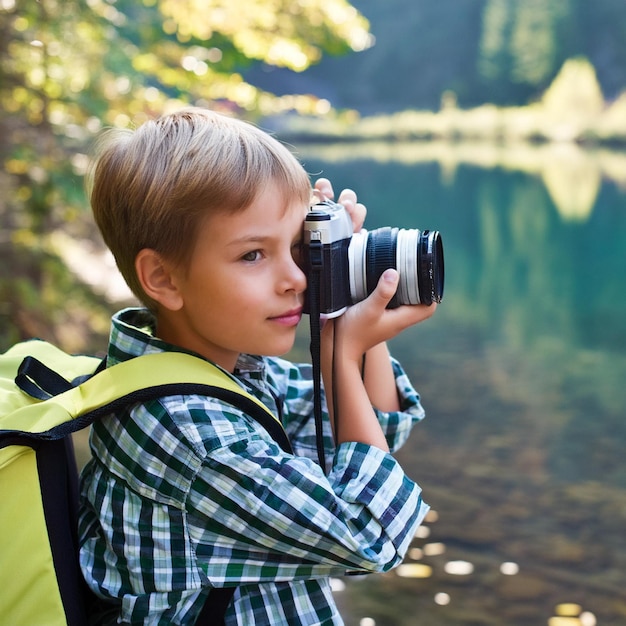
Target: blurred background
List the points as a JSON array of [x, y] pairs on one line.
[[500, 123]]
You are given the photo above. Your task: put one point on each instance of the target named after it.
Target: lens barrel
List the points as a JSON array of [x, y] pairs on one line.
[[416, 255]]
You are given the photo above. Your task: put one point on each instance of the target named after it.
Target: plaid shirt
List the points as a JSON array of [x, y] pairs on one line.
[[186, 493]]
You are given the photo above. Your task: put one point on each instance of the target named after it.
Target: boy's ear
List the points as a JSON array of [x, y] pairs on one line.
[[156, 278]]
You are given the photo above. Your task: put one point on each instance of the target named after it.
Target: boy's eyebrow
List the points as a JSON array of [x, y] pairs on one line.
[[246, 239], [249, 239]]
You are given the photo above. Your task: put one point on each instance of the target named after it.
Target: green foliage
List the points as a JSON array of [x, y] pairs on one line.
[[503, 52], [69, 68], [521, 39], [39, 298], [575, 90], [572, 109]]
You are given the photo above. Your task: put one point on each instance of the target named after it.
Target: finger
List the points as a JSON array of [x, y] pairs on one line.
[[386, 287], [401, 317], [409, 315], [358, 214], [356, 210], [369, 322], [324, 186], [347, 195]]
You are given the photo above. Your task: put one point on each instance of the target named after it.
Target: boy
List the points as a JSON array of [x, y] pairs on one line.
[[204, 216]]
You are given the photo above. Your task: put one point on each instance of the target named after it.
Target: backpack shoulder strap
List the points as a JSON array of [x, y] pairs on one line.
[[140, 379], [71, 367]]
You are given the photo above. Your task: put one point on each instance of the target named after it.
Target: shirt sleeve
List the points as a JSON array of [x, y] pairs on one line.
[[258, 514], [188, 491], [294, 383]]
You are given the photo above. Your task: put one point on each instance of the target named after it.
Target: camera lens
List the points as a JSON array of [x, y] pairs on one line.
[[416, 255]]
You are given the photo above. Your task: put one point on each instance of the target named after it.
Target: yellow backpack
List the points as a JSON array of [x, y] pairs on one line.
[[45, 396]]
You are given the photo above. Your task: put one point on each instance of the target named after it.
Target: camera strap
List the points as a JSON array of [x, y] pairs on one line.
[[316, 264]]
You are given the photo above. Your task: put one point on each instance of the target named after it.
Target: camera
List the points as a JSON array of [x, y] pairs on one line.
[[349, 264]]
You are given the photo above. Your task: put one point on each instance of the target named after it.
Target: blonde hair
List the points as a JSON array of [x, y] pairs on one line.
[[152, 187]]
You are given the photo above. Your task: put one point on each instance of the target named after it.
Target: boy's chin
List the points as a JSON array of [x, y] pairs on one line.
[[282, 350]]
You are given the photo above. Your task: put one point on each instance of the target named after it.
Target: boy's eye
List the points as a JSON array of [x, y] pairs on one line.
[[250, 257], [296, 252]]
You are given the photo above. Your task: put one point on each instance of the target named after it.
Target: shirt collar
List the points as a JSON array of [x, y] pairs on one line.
[[133, 334]]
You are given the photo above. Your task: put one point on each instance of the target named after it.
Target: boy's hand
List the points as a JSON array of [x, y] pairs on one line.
[[352, 389], [368, 323], [347, 198]]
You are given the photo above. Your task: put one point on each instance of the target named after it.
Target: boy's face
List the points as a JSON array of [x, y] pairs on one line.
[[243, 289]]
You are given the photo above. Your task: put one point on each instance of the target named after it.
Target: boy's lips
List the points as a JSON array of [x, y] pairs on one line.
[[288, 318]]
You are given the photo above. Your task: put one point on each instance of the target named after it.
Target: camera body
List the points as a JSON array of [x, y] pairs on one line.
[[343, 267], [327, 235]]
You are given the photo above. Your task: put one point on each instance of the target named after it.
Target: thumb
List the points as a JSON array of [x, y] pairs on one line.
[[387, 285]]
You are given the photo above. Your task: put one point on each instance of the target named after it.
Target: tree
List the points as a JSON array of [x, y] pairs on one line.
[[70, 67], [520, 43]]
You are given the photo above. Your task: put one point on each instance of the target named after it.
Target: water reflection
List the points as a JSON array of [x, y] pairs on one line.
[[571, 174], [570, 614], [521, 373]]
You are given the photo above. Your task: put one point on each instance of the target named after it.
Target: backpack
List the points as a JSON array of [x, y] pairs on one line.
[[45, 396]]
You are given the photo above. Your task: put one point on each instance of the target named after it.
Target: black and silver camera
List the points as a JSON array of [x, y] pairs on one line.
[[349, 265]]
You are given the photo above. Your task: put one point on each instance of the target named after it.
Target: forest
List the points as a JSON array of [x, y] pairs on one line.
[[505, 52]]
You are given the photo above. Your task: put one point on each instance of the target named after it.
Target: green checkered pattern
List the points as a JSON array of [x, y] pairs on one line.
[[186, 493]]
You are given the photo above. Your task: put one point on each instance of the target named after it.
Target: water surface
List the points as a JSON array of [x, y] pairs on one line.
[[523, 375]]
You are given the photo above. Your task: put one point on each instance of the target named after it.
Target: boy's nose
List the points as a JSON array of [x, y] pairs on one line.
[[294, 278]]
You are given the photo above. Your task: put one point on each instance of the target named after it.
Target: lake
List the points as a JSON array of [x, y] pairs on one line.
[[522, 372]]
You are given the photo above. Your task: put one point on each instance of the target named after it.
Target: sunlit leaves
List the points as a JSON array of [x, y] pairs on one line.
[[70, 67], [188, 50], [50, 55], [575, 90], [279, 32]]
